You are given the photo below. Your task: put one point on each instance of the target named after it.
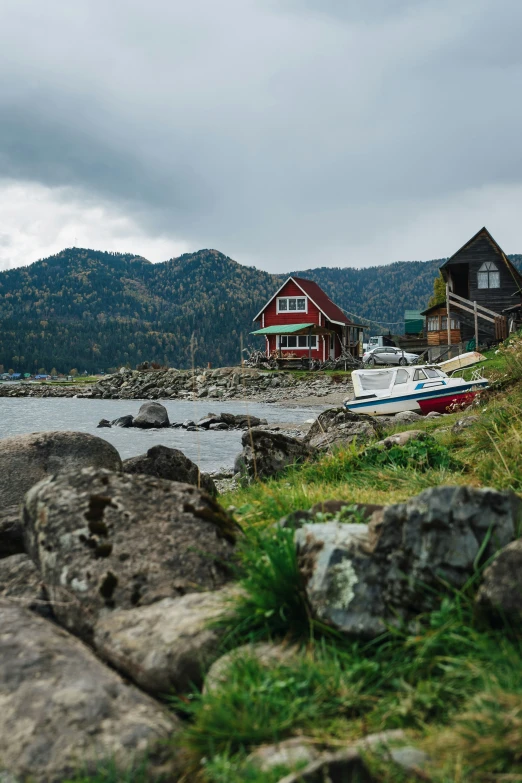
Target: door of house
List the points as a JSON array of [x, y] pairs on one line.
[[332, 346]]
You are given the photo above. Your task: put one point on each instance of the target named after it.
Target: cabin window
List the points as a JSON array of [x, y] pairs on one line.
[[431, 372], [433, 324], [291, 303], [419, 375], [453, 321], [402, 377], [298, 341], [488, 276]]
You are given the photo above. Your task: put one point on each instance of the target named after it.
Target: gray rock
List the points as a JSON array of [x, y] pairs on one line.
[[409, 758], [104, 423], [27, 459], [464, 423], [401, 438], [337, 427], [20, 581], [266, 454], [123, 421], [267, 654], [172, 464], [292, 752], [407, 417], [11, 534], [63, 710], [106, 541], [218, 425], [347, 764], [152, 415], [360, 577], [433, 415], [168, 645], [500, 594]]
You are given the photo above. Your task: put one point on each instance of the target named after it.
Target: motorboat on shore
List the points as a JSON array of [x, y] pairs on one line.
[[422, 389]]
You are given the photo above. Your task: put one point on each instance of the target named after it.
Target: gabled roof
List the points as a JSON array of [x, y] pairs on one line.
[[316, 295], [513, 270]]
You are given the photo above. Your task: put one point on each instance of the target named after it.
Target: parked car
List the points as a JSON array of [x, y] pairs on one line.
[[388, 355]]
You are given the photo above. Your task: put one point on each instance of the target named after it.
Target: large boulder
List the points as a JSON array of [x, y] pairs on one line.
[[20, 581], [168, 645], [266, 454], [106, 541], [500, 594], [338, 427], [27, 459], [62, 710], [170, 464], [11, 534], [360, 577], [150, 415]]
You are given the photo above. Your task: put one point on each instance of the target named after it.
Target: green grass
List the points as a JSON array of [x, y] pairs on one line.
[[338, 692], [111, 772], [354, 474]]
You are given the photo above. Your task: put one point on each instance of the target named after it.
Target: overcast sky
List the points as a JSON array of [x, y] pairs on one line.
[[286, 133]]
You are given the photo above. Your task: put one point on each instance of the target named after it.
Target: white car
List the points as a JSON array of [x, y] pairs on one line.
[[388, 355]]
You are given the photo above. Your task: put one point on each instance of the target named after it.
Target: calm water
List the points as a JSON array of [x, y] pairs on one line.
[[211, 450]]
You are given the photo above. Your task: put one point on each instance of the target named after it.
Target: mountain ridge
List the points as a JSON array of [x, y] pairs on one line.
[[96, 310]]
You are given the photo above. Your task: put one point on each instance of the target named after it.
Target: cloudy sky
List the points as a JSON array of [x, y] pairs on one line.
[[285, 133]]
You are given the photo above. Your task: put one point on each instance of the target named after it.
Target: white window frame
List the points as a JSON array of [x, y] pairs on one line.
[[485, 273], [312, 338], [287, 299]]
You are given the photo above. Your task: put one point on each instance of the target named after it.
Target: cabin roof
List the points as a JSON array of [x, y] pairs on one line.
[[316, 295], [513, 270], [434, 307]]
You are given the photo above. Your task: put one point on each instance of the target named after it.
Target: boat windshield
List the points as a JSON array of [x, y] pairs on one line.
[[431, 372], [372, 381]]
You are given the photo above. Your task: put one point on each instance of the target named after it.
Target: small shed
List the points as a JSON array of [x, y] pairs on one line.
[[437, 325]]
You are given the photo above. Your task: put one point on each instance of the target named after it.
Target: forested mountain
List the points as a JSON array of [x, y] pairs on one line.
[[94, 311]]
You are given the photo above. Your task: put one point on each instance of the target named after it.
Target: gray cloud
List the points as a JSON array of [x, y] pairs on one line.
[[291, 133]]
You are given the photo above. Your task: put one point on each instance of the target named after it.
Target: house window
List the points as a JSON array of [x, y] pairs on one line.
[[292, 304], [433, 324], [488, 276], [290, 341]]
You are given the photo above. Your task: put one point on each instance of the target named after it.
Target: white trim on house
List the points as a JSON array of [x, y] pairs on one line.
[[288, 310], [308, 337]]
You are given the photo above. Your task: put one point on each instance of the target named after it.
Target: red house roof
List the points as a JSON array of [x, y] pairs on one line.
[[316, 294]]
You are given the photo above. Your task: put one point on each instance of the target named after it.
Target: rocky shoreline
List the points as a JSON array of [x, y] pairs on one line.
[[227, 383]]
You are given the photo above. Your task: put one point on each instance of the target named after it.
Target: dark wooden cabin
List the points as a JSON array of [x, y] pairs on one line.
[[481, 272]]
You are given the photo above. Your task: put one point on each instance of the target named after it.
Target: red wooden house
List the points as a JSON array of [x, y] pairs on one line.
[[300, 319]]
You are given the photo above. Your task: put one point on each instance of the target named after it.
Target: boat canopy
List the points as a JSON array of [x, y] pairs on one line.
[[375, 379]]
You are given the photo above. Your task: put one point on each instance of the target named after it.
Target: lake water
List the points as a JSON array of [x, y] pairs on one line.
[[210, 450]]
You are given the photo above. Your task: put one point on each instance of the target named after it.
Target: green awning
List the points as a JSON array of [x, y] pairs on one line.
[[292, 329]]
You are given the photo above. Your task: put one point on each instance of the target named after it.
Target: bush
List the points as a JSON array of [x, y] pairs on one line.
[[420, 454]]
